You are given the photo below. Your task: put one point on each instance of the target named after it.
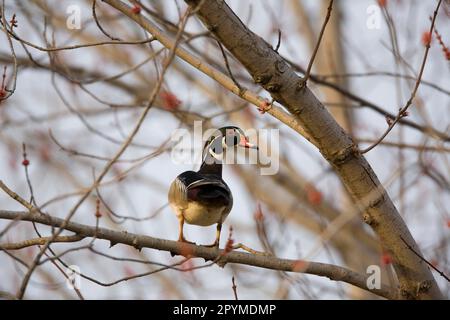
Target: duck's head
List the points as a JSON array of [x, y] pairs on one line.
[[226, 138]]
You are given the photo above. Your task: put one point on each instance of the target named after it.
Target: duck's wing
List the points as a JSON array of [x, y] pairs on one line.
[[194, 186]]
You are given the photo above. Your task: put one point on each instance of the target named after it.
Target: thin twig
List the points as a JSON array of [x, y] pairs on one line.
[[229, 68], [278, 41], [16, 197], [234, 287], [97, 22], [13, 53], [403, 111], [441, 273], [316, 49], [27, 174], [407, 146], [78, 46]]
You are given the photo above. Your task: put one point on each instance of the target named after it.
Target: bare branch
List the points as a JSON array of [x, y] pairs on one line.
[[140, 241], [38, 241]]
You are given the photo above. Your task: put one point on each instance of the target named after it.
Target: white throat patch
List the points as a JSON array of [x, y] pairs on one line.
[[218, 156]]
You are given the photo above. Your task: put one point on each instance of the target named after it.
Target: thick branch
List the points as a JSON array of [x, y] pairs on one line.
[[270, 70], [38, 241], [140, 241]]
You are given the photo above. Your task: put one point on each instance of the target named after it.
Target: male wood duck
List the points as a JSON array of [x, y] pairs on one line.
[[202, 198]]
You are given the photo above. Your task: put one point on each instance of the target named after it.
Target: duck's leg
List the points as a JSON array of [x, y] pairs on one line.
[[180, 231], [218, 231], [250, 250]]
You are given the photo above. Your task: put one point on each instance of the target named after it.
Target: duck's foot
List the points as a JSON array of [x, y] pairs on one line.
[[213, 245], [185, 241], [182, 241], [250, 250]]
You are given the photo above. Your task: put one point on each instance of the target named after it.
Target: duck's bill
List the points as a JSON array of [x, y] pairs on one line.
[[245, 144]]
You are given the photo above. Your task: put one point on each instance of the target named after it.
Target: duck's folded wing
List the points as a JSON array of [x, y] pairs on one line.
[[192, 186], [209, 191], [178, 192]]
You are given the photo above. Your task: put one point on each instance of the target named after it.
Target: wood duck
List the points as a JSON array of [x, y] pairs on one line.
[[202, 198]]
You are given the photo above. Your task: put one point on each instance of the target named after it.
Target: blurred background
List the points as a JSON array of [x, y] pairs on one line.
[[73, 109]]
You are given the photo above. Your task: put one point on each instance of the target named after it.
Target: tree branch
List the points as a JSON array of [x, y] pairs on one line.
[[140, 241], [38, 241]]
